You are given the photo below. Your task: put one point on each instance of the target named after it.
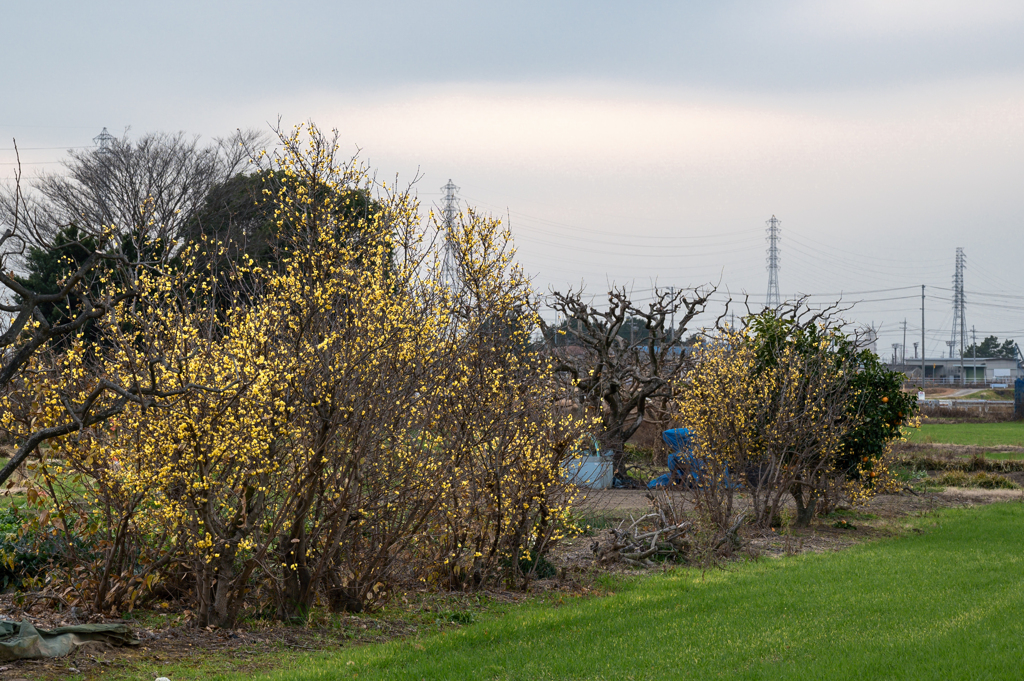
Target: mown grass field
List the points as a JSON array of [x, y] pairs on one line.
[[977, 434], [1006, 456], [942, 602], [989, 394]]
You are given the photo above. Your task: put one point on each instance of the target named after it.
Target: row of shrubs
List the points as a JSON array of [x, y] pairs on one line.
[[26, 549], [985, 413], [348, 421]]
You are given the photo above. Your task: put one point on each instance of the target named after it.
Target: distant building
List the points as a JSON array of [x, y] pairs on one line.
[[948, 370]]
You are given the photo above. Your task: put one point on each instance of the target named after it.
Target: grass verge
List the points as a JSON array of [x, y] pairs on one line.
[[989, 394], [940, 603], [977, 434], [1004, 456]]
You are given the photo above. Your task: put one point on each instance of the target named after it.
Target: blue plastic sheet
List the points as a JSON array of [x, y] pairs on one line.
[[684, 468], [678, 439]]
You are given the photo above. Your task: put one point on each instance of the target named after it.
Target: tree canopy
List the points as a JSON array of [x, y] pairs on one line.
[[150, 187], [991, 347]]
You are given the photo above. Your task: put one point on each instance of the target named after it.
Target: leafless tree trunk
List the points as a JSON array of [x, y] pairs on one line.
[[617, 374]]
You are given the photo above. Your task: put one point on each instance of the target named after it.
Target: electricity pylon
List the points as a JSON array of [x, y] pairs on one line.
[[772, 299]]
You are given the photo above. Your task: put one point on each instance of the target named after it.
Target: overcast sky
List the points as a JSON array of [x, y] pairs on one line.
[[633, 143]]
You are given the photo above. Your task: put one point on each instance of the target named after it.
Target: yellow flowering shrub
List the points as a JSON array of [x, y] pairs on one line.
[[773, 429], [355, 420]]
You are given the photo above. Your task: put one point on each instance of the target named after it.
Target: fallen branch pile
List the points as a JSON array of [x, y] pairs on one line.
[[661, 536], [636, 548]]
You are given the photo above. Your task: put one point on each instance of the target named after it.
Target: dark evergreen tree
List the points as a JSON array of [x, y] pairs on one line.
[[991, 347], [46, 268]]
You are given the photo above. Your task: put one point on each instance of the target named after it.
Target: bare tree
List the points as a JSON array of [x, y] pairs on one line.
[[616, 375], [147, 188]]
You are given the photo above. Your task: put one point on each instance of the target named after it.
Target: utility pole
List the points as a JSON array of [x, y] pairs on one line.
[[103, 141], [772, 299], [922, 335], [449, 211], [974, 354], [672, 333], [903, 360], [104, 151]]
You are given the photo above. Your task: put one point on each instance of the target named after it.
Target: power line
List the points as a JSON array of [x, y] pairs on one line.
[[619, 253], [628, 239], [44, 148], [815, 245], [987, 294], [590, 230]]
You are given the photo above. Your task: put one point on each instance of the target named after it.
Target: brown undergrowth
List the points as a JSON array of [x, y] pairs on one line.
[[883, 516], [172, 646]]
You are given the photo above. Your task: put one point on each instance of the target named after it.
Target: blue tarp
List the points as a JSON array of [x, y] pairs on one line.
[[678, 439], [683, 464]]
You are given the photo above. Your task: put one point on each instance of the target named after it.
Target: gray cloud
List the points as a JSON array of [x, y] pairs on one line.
[[77, 51]]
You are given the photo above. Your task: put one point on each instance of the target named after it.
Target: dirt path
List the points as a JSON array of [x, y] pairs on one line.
[[884, 516], [620, 503], [961, 393]]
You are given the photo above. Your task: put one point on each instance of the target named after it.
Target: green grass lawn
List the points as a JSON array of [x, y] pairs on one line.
[[942, 604], [979, 434], [987, 394], [1003, 456]]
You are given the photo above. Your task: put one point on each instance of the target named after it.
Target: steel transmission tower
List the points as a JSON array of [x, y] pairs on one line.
[[772, 300], [449, 213], [958, 336], [103, 141]]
